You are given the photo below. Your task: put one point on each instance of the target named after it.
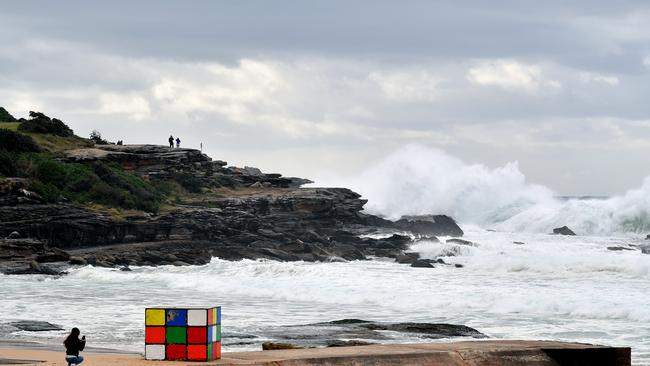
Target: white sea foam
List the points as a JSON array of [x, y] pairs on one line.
[[551, 287], [417, 180]]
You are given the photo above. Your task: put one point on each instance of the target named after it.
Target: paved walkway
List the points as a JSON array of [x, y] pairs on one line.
[[476, 353]]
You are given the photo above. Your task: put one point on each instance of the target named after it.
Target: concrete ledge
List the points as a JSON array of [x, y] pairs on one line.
[[475, 353], [479, 353]]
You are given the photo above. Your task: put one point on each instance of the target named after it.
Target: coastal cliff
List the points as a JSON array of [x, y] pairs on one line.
[[201, 208]]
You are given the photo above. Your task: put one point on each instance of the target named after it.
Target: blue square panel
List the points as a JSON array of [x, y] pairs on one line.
[[176, 317]]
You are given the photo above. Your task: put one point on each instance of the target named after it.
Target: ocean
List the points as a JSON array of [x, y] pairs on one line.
[[517, 282]]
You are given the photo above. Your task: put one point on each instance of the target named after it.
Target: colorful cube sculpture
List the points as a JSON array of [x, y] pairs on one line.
[[183, 334]]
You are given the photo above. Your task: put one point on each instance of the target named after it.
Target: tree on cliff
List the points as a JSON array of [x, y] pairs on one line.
[[96, 137], [6, 116], [40, 123]]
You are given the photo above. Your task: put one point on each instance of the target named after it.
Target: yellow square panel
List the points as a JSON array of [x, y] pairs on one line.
[[155, 317]]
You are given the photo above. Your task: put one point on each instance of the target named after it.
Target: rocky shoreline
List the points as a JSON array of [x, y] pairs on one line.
[[239, 213]]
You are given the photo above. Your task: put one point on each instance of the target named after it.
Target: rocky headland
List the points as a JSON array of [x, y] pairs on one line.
[[221, 211]]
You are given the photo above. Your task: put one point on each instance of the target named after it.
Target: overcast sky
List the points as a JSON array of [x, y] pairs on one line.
[[323, 88]]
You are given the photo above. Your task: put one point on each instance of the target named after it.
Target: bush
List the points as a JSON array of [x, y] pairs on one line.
[[96, 137], [6, 116], [189, 182], [98, 183], [12, 141], [7, 164], [40, 123]]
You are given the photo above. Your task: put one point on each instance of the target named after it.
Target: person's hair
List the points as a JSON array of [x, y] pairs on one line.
[[74, 334]]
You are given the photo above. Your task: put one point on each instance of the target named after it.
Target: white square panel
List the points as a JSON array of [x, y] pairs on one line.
[[197, 317], [154, 352]]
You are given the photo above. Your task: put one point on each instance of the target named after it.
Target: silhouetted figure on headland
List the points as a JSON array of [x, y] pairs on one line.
[[171, 141], [73, 345], [178, 142]]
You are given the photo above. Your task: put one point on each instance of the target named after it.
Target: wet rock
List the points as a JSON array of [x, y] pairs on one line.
[[54, 255], [267, 346], [433, 239], [440, 261], [564, 230], [125, 269], [35, 326], [407, 258], [518, 242], [14, 235], [429, 225], [422, 263], [350, 343], [430, 330], [458, 265], [77, 261], [461, 242], [647, 237], [618, 248]]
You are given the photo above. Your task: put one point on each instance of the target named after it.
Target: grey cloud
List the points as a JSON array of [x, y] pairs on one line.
[[310, 87]]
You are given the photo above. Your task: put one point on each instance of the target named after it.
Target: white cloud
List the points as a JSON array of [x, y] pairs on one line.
[[134, 106], [588, 77], [407, 85], [510, 75]]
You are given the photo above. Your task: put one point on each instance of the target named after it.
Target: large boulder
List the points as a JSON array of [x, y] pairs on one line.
[[564, 230], [429, 225]]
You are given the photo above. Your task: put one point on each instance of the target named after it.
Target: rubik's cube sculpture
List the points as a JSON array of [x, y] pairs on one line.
[[189, 334]]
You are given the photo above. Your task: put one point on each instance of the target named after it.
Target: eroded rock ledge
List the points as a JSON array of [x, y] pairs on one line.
[[242, 213]]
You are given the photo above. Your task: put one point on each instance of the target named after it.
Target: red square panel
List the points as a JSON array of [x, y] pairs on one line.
[[197, 335], [216, 350], [176, 352], [154, 335], [197, 352]]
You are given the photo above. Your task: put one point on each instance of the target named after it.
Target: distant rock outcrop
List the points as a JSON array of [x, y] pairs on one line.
[[564, 230]]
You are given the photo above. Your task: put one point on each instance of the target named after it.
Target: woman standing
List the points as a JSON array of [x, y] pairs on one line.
[[73, 345]]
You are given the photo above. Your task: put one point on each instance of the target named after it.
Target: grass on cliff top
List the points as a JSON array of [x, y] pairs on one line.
[[12, 126], [55, 144], [49, 142]]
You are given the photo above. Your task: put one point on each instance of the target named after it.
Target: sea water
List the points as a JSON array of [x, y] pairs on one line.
[[570, 288], [560, 288]]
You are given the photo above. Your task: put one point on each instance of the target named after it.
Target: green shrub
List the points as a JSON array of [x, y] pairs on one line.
[[40, 123], [6, 116], [7, 164], [101, 183], [189, 182], [96, 137], [49, 192], [12, 141]]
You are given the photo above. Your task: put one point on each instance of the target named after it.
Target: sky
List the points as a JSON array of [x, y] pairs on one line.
[[324, 89]]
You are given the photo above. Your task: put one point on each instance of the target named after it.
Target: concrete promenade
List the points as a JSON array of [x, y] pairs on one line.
[[474, 353]]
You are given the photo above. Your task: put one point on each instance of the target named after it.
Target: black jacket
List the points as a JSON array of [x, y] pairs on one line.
[[73, 346]]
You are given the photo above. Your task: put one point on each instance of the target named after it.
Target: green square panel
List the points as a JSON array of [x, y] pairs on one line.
[[209, 351], [218, 332], [176, 335]]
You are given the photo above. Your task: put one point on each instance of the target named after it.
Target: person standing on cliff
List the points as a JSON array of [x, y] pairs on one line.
[[178, 142], [74, 345], [171, 141]]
